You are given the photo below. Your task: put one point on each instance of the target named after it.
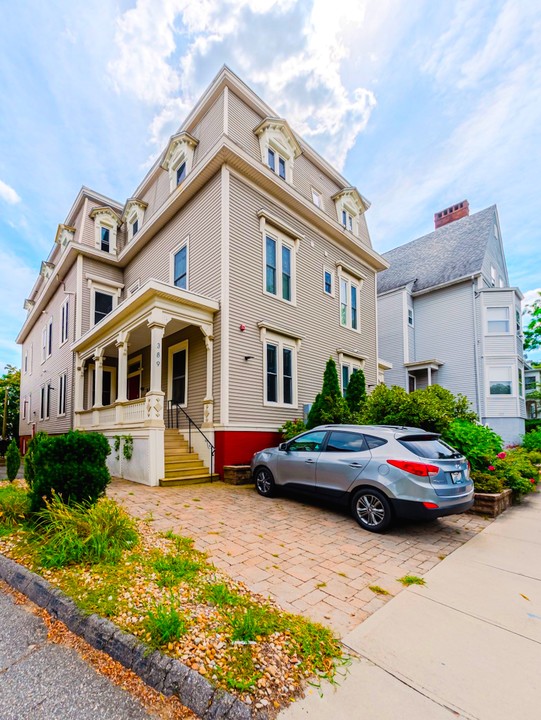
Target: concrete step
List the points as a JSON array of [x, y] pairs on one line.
[[186, 461], [185, 472], [191, 480], [184, 450], [181, 456]]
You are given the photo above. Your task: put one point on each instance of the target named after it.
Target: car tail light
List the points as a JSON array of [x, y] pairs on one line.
[[430, 506], [415, 468]]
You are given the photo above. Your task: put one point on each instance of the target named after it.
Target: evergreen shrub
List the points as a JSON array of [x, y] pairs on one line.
[[13, 460]]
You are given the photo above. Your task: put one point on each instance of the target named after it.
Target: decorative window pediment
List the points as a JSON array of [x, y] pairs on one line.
[[64, 235], [178, 158], [350, 205], [133, 216], [278, 145], [46, 269], [106, 223]]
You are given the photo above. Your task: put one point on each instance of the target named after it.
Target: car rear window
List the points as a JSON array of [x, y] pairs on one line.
[[431, 448], [374, 442], [345, 442]]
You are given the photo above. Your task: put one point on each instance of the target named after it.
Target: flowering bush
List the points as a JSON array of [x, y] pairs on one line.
[[516, 470]]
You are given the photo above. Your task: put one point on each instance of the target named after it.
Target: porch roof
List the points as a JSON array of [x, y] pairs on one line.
[[153, 302], [432, 364]]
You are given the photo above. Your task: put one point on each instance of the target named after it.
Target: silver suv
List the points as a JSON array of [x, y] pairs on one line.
[[380, 471]]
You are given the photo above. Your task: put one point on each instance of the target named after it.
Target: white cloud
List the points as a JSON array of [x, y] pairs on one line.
[[530, 297], [8, 194], [17, 281], [296, 57]]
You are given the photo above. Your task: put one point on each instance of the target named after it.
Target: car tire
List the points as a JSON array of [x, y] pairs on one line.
[[264, 481], [372, 510]]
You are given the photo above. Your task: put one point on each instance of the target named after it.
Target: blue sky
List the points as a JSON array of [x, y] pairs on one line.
[[420, 104]]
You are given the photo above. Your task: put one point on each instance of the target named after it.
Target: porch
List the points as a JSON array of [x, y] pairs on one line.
[[145, 367]]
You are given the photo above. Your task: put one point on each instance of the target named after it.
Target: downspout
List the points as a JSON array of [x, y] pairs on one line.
[[475, 350]]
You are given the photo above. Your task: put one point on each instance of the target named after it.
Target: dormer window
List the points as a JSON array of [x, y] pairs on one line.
[[178, 159], [279, 147], [64, 235], [106, 223], [133, 216], [350, 205], [46, 270]]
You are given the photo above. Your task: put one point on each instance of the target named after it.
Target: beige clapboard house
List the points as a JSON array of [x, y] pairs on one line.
[[197, 316]]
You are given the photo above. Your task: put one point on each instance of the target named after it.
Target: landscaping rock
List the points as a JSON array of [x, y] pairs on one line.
[[492, 504], [237, 474]]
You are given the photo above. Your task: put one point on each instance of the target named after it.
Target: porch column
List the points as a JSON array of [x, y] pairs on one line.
[[208, 402], [155, 395], [78, 384], [122, 346], [98, 379], [429, 376]]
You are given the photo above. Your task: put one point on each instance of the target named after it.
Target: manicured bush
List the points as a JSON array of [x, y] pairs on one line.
[[386, 406], [329, 405], [29, 471], [14, 506], [533, 424], [292, 428], [13, 461], [479, 443], [76, 533], [356, 392], [72, 466], [486, 482], [532, 440]]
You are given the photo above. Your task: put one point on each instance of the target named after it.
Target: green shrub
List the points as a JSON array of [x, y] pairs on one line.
[[76, 533], [516, 470], [356, 392], [534, 457], [29, 471], [479, 443], [13, 460], [486, 482], [14, 506], [329, 405], [292, 428], [532, 440], [533, 424], [73, 466]]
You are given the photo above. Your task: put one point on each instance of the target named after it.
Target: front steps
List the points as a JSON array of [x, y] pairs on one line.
[[182, 467]]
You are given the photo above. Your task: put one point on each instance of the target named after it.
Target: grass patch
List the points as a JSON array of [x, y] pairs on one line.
[[253, 622], [172, 570], [220, 595], [66, 534], [411, 580], [14, 507], [378, 590], [164, 624]]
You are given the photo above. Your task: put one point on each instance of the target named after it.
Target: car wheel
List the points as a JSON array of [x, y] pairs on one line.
[[264, 482], [372, 510]]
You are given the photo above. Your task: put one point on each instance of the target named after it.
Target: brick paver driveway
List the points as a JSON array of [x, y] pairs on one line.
[[311, 558]]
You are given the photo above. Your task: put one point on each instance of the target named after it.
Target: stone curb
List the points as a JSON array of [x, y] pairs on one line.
[[166, 675]]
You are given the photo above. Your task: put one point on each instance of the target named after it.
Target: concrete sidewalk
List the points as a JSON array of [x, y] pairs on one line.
[[467, 645]]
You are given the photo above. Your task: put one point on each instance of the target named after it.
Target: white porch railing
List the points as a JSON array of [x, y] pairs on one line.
[[130, 413]]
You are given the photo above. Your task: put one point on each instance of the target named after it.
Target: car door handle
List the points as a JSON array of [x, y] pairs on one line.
[[309, 461], [356, 465]]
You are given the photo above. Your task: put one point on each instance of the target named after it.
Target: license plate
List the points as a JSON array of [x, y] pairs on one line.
[[456, 477]]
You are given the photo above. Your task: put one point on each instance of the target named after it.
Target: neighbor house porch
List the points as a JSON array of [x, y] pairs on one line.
[[147, 366]]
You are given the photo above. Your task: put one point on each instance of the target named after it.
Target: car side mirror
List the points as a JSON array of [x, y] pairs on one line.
[[283, 447]]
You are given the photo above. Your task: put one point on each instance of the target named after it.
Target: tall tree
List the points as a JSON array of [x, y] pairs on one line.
[[532, 331], [329, 405], [10, 387], [356, 392]]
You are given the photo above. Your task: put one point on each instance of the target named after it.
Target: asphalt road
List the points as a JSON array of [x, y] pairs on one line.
[[43, 681]]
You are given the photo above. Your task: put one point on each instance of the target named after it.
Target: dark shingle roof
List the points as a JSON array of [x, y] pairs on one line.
[[450, 252]]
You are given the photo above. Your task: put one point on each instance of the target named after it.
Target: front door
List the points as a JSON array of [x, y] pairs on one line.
[[178, 378], [134, 386]]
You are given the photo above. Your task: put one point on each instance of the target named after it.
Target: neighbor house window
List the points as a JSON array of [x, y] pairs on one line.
[[276, 163], [520, 382], [498, 320], [64, 321], [530, 383], [62, 381], [180, 268], [349, 303], [103, 305], [279, 267], [410, 317], [493, 276], [500, 381], [518, 322], [106, 223]]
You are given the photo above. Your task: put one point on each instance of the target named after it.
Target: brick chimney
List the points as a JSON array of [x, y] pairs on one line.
[[450, 214]]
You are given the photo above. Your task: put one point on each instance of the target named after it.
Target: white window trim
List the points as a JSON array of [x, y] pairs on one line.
[[103, 286], [281, 239], [62, 379], [174, 251], [329, 270], [275, 134], [25, 363], [316, 193], [181, 149], [46, 405], [184, 345], [513, 379], [351, 281], [105, 218], [509, 320], [492, 276], [282, 342], [135, 210], [520, 370], [412, 323], [90, 385], [63, 324]]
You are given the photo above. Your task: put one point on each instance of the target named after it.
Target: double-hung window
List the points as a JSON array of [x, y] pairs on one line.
[[520, 382], [498, 320], [181, 172], [279, 267], [280, 369], [410, 317], [276, 163], [348, 369], [180, 267], [500, 380], [347, 220], [47, 341], [64, 321], [327, 282], [349, 303], [103, 305], [45, 402], [62, 380], [105, 239], [135, 227], [44, 344]]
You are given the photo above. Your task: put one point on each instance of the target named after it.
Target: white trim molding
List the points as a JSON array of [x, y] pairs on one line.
[[276, 136], [284, 343], [133, 216], [105, 218], [185, 243], [64, 235], [179, 151]]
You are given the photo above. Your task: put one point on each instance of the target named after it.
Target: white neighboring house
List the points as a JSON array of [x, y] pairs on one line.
[[448, 316], [532, 376]]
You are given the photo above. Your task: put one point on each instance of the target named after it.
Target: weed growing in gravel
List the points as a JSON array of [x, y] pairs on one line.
[[219, 595], [173, 570], [253, 622], [164, 624], [14, 506], [241, 673], [411, 580]]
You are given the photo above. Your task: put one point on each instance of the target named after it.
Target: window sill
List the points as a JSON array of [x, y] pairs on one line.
[[280, 405], [63, 415], [293, 303], [348, 327]]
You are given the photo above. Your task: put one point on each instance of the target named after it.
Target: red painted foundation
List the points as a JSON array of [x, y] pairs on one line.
[[237, 447]]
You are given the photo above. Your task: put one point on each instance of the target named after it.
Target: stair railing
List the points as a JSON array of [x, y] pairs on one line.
[[175, 414]]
